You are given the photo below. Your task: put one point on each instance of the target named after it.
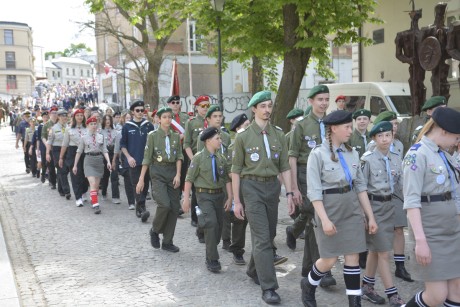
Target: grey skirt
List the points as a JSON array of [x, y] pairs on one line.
[[344, 211], [384, 213], [400, 215], [93, 166]]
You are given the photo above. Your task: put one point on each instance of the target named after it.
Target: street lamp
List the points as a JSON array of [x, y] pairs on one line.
[[218, 6], [123, 58]]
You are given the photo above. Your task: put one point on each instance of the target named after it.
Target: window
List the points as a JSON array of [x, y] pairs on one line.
[[354, 103], [377, 105], [68, 82], [73, 71], [67, 71], [59, 74], [81, 72], [87, 73], [401, 103], [10, 58], [8, 34], [195, 43], [11, 82], [378, 36], [54, 74]]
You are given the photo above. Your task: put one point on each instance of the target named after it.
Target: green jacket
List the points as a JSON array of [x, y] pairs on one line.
[[200, 171], [155, 148], [192, 130], [304, 138]]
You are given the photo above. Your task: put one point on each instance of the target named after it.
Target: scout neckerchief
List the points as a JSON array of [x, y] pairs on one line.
[[451, 175], [345, 168], [390, 176], [215, 175], [168, 146], [322, 129]]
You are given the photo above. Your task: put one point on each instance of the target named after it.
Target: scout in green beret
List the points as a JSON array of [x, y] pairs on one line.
[[383, 126], [260, 97], [307, 110], [292, 116], [319, 89], [360, 137], [385, 116], [429, 106], [163, 157]]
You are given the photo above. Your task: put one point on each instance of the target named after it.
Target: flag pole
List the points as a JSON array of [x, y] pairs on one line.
[[189, 52]]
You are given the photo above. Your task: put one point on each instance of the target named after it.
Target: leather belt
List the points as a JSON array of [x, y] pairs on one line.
[[209, 191], [341, 190], [381, 198], [260, 179], [164, 163], [435, 198], [94, 153]]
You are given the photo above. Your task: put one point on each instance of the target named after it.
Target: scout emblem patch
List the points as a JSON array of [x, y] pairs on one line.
[[254, 157], [410, 160]]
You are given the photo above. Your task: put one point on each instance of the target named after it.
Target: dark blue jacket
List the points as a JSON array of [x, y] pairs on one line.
[[134, 138], [22, 128], [39, 136]]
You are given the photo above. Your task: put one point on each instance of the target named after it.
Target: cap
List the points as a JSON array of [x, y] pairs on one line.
[[259, 97], [294, 113], [338, 117], [340, 97], [201, 99], [447, 119], [238, 121], [212, 109], [319, 89], [163, 110], [92, 119], [173, 98], [307, 110], [208, 133], [385, 116], [135, 104], [383, 126], [361, 112], [434, 102], [78, 111], [62, 112], [154, 112]]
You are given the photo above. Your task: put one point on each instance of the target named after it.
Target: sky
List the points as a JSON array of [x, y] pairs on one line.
[[53, 22]]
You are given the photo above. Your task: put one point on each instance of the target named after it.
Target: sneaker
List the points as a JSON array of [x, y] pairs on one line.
[[368, 293], [116, 201], [67, 196], [226, 244], [277, 259], [213, 265], [239, 260], [327, 280], [97, 209], [145, 216], [131, 207], [79, 203], [43, 179], [396, 301], [170, 248]]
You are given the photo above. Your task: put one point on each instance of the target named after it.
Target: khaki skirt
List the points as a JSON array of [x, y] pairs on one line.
[[384, 214], [93, 166]]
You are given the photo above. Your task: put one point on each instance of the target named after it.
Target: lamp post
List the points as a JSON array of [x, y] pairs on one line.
[[218, 6], [123, 59]]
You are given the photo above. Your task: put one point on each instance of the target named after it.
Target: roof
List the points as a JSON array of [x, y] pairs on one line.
[[14, 23], [67, 60], [48, 64]]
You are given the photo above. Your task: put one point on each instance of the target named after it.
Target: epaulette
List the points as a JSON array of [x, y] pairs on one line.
[[151, 132], [418, 128], [367, 153], [415, 147], [242, 130], [278, 128]]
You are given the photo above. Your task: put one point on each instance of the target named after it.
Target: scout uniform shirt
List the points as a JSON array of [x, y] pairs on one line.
[[375, 172], [192, 130], [306, 136], [200, 171], [46, 129], [56, 134], [29, 136], [110, 136], [92, 143], [156, 148], [250, 155], [226, 140], [72, 136], [359, 141]]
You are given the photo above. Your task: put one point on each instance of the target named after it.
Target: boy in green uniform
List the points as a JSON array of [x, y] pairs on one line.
[[360, 136], [259, 156], [208, 171]]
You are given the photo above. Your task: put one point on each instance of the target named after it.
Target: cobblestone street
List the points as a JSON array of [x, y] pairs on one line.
[[63, 255]]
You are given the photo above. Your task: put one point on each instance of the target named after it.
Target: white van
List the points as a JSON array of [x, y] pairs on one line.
[[373, 96]]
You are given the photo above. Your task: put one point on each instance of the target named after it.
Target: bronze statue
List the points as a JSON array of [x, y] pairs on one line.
[[453, 42]]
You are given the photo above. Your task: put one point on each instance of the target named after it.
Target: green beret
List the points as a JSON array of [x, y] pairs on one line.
[[212, 109], [163, 110], [259, 97], [385, 116], [361, 112], [382, 126], [434, 102], [319, 89], [294, 113], [307, 110]]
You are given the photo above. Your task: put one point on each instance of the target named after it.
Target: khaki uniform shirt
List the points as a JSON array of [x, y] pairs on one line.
[[46, 129], [249, 154], [72, 136], [192, 130], [357, 141], [200, 171], [56, 134], [92, 143], [306, 136], [155, 148], [29, 136]]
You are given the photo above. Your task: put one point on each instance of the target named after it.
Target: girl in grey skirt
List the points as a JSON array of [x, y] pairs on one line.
[[430, 184], [337, 190], [95, 149]]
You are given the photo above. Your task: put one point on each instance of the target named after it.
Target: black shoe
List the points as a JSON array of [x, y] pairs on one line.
[[43, 179], [181, 212], [354, 300], [213, 265], [62, 194], [402, 273], [154, 239], [145, 216], [226, 244], [302, 235], [193, 223], [67, 196], [277, 259], [170, 248], [38, 175], [28, 170], [290, 239], [308, 293], [200, 236], [53, 187], [271, 297], [362, 260], [254, 278], [138, 210], [97, 210], [327, 280], [238, 259]]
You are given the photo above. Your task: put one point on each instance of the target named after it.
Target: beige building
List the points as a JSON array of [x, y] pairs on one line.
[[378, 62], [16, 59]]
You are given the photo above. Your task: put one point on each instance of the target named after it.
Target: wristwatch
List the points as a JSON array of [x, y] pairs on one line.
[[290, 193]]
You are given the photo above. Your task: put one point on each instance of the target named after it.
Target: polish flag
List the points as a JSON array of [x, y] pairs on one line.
[[107, 68]]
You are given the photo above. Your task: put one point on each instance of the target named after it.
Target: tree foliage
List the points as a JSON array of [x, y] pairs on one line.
[[74, 49]]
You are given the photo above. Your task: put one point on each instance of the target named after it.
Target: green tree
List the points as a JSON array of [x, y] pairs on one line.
[[74, 49]]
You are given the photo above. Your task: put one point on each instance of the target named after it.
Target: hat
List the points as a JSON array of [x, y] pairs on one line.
[[307, 110], [26, 112], [338, 117], [154, 112], [383, 126], [294, 113], [208, 133], [53, 108], [36, 107], [163, 110], [39, 119], [260, 97], [212, 109], [447, 119], [95, 109], [201, 99], [238, 121], [340, 97], [92, 119], [44, 113], [385, 116], [361, 112], [319, 89], [173, 98], [62, 112], [33, 119], [434, 102], [78, 111], [135, 104], [190, 114]]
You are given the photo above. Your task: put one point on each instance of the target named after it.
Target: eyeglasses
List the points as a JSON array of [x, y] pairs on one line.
[[138, 110], [205, 105], [175, 102]]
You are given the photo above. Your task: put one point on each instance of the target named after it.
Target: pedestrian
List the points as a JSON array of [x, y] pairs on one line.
[[53, 118], [430, 182], [428, 107], [70, 143], [163, 155], [338, 192], [360, 136], [209, 173], [21, 134], [133, 140], [94, 147], [340, 102], [382, 173], [293, 115], [110, 136], [29, 146], [259, 156]]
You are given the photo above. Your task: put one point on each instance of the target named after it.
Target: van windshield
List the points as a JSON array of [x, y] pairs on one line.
[[402, 104]]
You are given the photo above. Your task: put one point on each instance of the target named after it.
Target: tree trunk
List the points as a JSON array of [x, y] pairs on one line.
[[257, 75], [295, 64], [150, 86]]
